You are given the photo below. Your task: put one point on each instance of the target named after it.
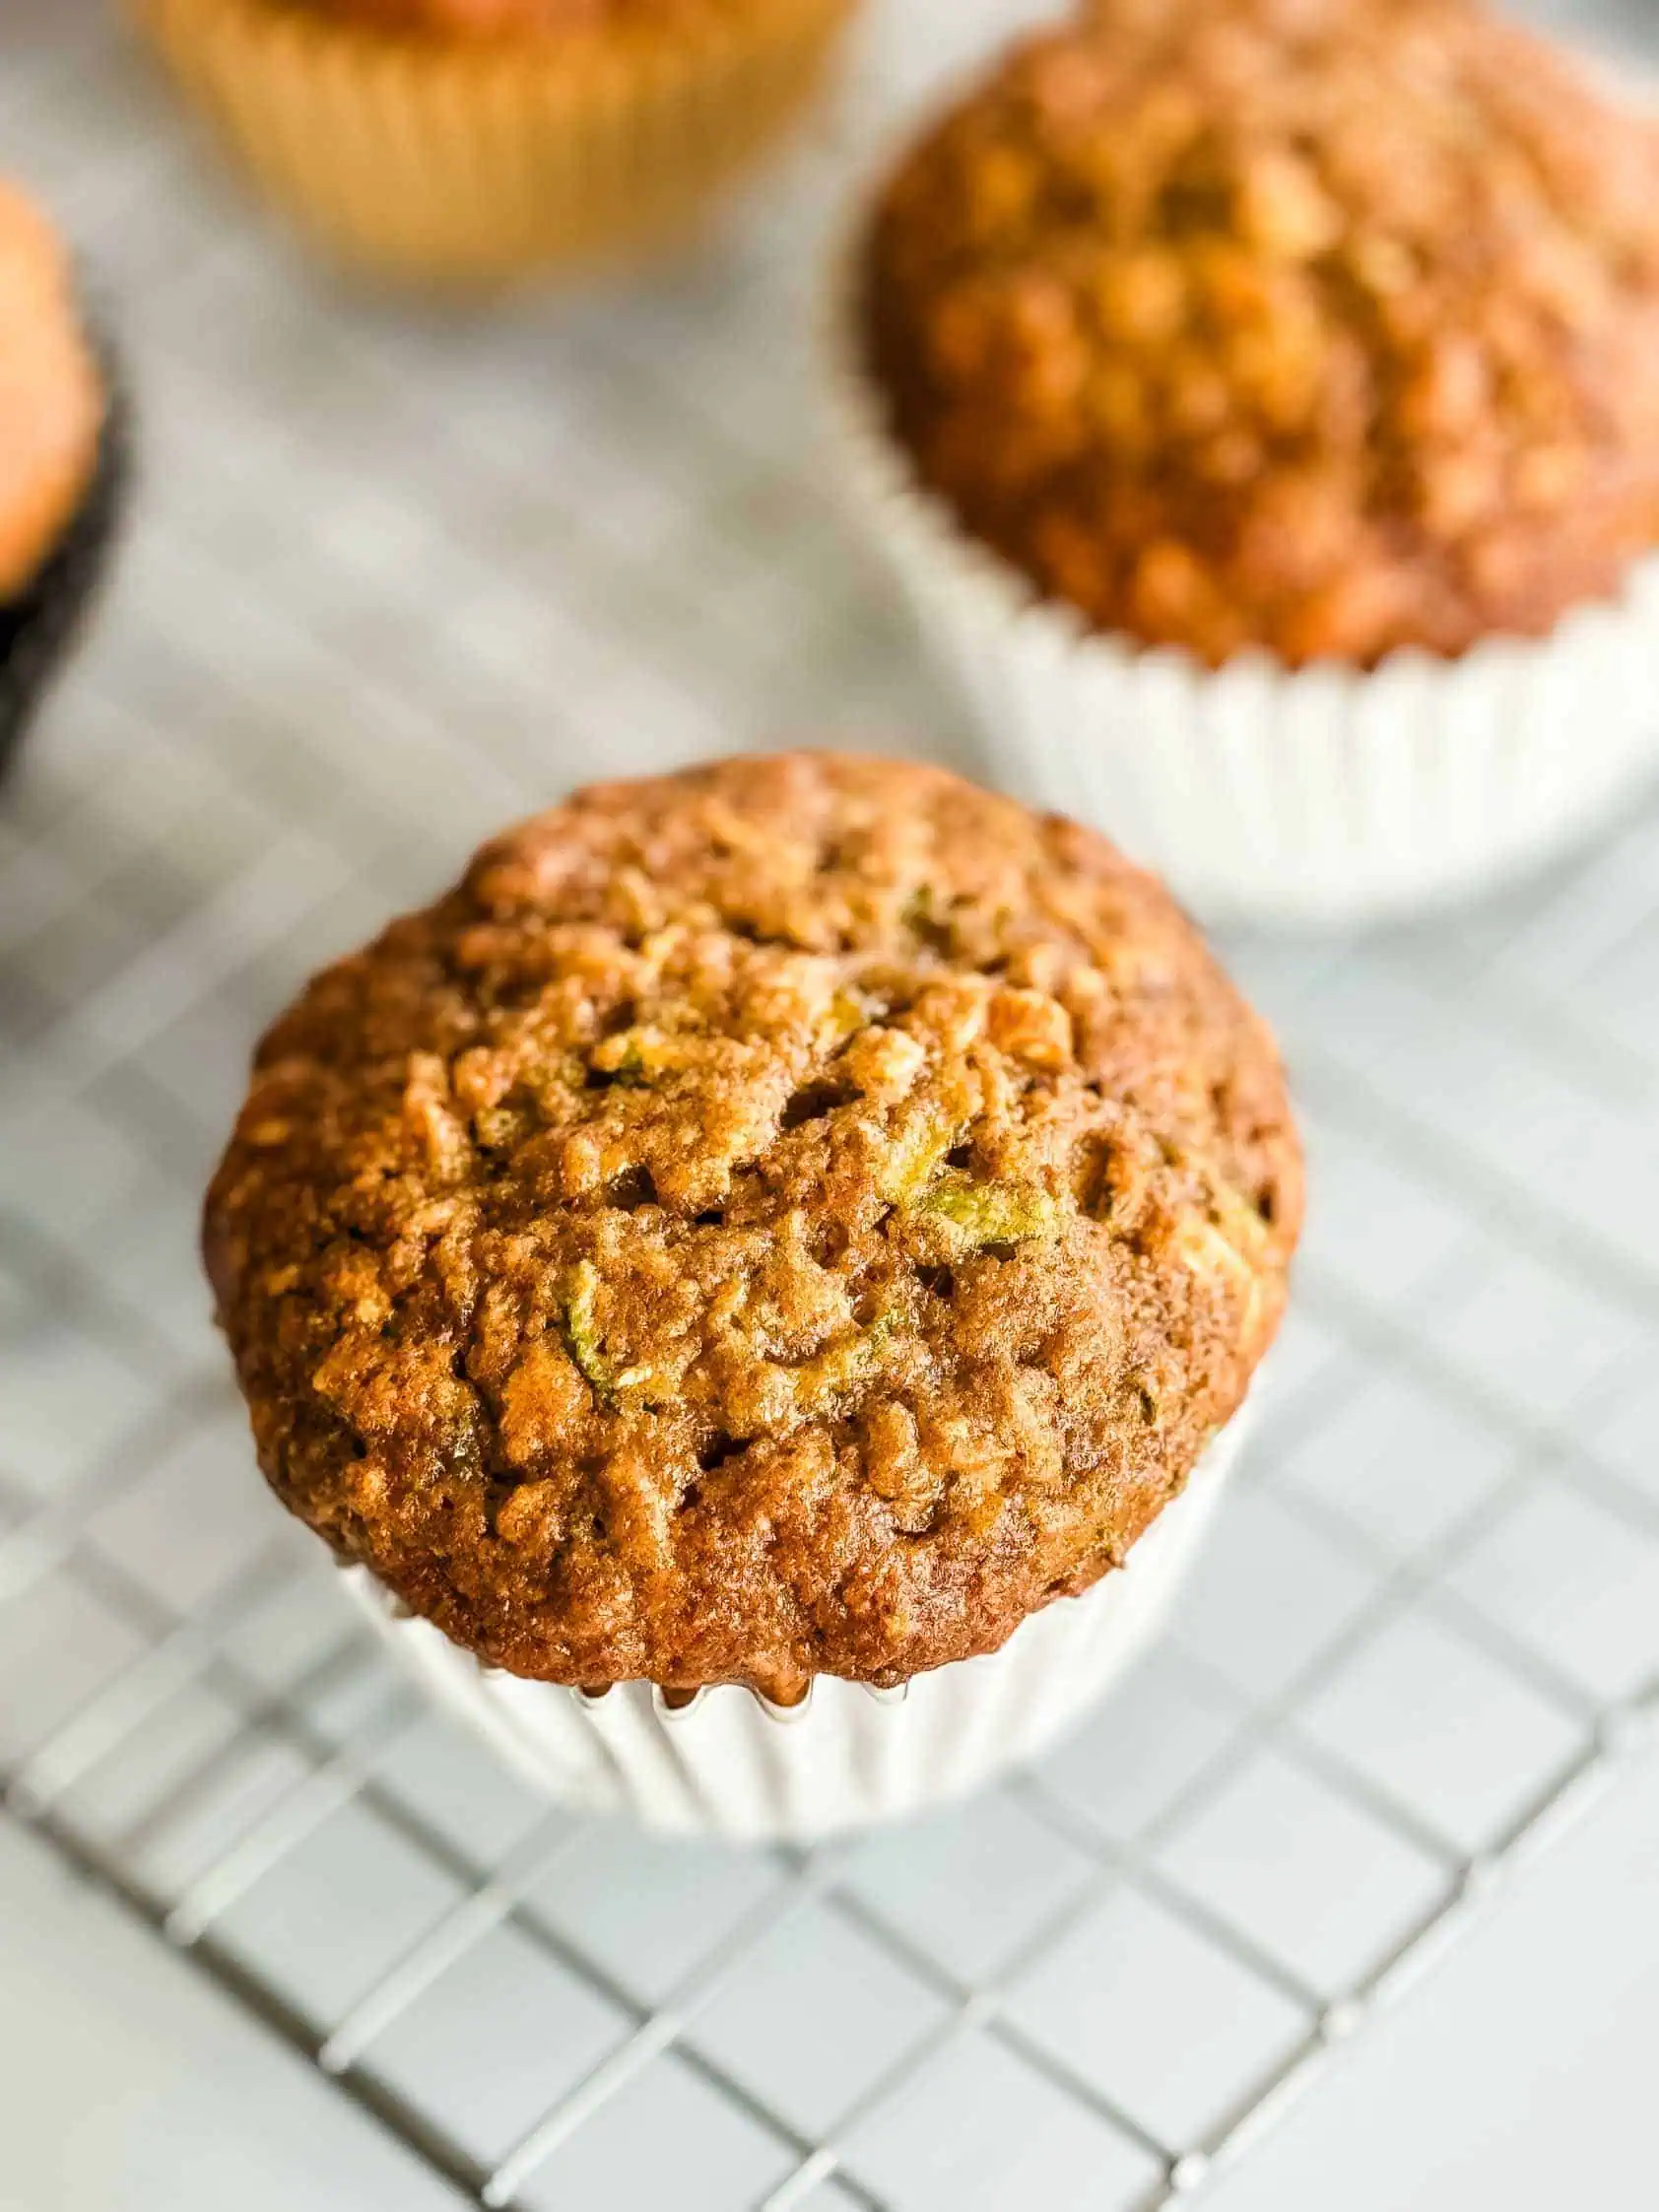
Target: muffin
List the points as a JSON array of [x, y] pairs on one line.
[[468, 142], [58, 463], [783, 1225], [1257, 402]]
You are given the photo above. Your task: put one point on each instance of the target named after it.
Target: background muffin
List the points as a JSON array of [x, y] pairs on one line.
[[51, 395], [489, 19], [798, 1217], [469, 141], [1330, 342], [58, 459], [1296, 339]]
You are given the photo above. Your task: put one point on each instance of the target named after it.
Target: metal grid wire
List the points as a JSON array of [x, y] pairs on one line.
[[395, 579]]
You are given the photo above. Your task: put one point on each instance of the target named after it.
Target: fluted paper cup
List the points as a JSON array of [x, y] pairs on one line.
[[1325, 794], [470, 162], [731, 1765]]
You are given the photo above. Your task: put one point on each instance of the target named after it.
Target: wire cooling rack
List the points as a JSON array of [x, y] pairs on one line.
[[394, 578]]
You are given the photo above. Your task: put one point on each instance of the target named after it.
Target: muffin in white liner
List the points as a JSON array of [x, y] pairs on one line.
[[806, 1287], [1261, 792], [1490, 712], [733, 1765]]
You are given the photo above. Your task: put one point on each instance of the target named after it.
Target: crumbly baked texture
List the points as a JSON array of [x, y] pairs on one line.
[[496, 18], [1162, 21], [51, 395], [1324, 330], [799, 1216]]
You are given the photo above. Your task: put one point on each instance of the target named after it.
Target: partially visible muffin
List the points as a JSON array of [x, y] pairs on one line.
[[51, 395], [467, 143], [62, 461], [540, 19], [799, 1216], [1326, 330]]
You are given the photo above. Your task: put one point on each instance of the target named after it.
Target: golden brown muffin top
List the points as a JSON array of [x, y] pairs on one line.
[[797, 1216], [507, 19], [51, 396], [1323, 329], [1167, 21]]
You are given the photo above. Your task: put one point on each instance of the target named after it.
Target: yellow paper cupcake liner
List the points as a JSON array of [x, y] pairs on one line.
[[446, 161]]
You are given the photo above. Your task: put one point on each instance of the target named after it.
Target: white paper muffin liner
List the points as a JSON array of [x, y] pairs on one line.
[[731, 1765], [1317, 796]]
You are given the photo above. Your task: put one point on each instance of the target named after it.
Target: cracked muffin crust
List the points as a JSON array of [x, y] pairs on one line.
[[798, 1216], [1325, 329]]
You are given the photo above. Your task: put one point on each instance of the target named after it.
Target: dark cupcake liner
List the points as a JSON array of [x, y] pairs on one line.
[[39, 627]]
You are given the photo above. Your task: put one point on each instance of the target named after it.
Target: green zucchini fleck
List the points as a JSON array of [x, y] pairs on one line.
[[990, 1213], [582, 1335]]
